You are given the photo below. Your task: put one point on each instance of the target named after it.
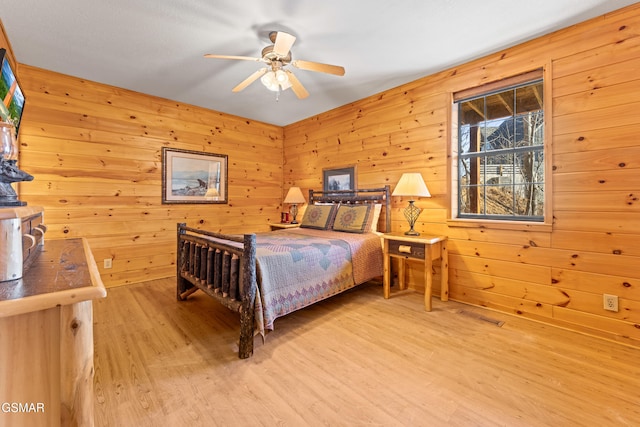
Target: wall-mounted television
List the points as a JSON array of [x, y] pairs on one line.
[[11, 96]]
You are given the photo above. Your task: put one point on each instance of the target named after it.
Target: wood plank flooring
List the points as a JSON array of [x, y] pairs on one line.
[[355, 359]]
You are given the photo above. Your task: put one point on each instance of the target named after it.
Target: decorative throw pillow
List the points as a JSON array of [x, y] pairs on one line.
[[353, 218], [318, 216]]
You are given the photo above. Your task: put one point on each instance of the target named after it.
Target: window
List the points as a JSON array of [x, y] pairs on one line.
[[501, 172]]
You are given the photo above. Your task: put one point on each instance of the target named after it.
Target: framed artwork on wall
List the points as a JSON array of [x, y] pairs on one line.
[[193, 177], [339, 179]]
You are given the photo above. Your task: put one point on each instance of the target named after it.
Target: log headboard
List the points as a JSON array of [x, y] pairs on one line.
[[358, 196]]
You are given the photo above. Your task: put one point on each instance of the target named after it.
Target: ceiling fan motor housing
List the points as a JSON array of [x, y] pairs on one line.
[[269, 55]]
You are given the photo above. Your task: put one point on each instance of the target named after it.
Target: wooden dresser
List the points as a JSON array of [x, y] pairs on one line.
[[46, 338]]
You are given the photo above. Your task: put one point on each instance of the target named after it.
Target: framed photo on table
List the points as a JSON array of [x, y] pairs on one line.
[[339, 179], [193, 177]]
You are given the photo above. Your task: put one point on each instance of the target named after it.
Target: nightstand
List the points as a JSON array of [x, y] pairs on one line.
[[281, 225], [423, 248]]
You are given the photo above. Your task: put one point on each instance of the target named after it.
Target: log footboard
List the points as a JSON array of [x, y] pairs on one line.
[[223, 267]]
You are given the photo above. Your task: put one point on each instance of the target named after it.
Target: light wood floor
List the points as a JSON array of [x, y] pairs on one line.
[[355, 359]]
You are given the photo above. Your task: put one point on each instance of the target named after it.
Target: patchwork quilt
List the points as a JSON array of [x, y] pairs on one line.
[[298, 267]]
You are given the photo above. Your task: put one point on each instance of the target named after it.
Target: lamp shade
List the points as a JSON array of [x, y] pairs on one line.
[[411, 184], [294, 196]]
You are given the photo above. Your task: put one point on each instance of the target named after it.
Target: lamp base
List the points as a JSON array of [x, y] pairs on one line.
[[294, 213], [411, 213]]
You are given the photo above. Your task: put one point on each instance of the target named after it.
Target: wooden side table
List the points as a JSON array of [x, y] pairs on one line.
[[282, 225], [423, 248]]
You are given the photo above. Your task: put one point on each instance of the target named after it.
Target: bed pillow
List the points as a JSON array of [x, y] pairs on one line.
[[377, 208], [318, 216], [354, 218]]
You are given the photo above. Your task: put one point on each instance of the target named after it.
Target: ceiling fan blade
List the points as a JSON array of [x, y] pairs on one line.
[[252, 78], [296, 86], [283, 44], [316, 66], [244, 58]]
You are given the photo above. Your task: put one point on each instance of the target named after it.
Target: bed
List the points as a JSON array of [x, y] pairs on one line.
[[263, 276]]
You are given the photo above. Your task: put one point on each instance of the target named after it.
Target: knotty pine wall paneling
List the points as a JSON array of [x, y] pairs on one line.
[[95, 152], [556, 275]]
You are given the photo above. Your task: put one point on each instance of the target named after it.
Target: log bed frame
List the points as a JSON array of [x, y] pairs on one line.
[[224, 266]]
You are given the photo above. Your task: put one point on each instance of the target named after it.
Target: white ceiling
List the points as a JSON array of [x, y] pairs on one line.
[[157, 46]]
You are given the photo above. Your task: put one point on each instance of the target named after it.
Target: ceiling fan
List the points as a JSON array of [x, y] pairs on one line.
[[277, 56]]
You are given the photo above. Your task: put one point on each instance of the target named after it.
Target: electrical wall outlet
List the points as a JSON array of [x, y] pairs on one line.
[[108, 263], [610, 302]]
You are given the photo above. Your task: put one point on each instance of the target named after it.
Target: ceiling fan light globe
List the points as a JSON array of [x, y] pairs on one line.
[[281, 76], [268, 79], [270, 82], [285, 85]]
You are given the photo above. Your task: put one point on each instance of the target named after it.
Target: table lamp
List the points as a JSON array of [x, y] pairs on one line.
[[411, 185], [294, 196]]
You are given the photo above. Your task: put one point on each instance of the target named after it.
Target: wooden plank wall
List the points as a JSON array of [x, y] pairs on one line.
[[557, 275], [95, 152]]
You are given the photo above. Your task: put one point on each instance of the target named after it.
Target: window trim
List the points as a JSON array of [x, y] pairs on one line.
[[499, 85], [543, 72]]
